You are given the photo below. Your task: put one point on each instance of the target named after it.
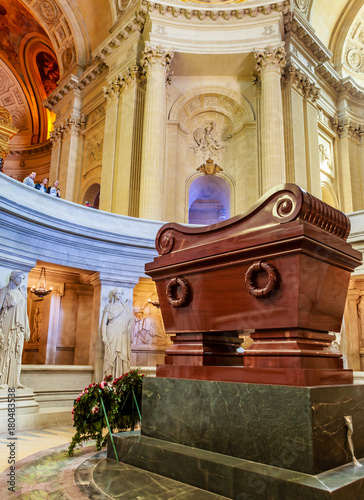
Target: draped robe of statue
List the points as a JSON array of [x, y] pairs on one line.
[[14, 329], [116, 338]]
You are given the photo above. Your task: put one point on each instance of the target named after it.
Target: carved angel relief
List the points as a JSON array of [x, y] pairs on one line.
[[206, 139]]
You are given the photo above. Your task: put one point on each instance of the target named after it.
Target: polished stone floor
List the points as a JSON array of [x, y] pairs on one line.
[[44, 471]]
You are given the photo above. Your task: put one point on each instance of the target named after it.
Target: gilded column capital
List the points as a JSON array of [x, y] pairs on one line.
[[156, 58], [270, 59]]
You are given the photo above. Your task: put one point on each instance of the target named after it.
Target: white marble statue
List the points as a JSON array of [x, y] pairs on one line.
[[115, 328], [14, 330]]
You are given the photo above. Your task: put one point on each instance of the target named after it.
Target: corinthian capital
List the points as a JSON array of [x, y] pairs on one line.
[[270, 58], [156, 58]]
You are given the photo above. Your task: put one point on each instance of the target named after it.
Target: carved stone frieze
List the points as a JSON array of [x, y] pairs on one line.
[[270, 58], [70, 125], [219, 15], [297, 78], [156, 57], [123, 80]]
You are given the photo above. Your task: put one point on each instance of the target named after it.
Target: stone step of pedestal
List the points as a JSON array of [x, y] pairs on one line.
[[235, 477]]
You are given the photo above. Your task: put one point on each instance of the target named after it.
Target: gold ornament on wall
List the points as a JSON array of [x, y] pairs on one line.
[[209, 168]]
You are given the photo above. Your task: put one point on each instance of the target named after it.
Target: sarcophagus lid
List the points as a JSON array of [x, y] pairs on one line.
[[284, 264]]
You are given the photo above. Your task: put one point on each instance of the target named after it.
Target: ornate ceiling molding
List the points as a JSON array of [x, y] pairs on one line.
[[32, 150], [215, 12]]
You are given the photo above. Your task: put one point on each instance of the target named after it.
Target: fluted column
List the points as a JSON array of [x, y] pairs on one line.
[[156, 62], [270, 63], [7, 131]]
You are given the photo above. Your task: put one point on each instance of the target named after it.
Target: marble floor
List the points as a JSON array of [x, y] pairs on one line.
[[44, 471]]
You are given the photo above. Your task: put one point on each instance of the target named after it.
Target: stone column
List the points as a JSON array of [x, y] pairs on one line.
[[124, 158], [7, 131], [301, 130], [348, 153], [156, 62], [270, 63], [66, 158]]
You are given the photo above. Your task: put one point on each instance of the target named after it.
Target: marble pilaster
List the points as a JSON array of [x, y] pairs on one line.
[[351, 340], [156, 62], [270, 63]]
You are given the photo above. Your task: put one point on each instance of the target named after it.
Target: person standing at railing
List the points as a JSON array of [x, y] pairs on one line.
[[54, 190], [29, 181], [42, 186]]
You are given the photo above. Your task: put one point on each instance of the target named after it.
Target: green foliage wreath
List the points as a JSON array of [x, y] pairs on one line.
[[121, 401]]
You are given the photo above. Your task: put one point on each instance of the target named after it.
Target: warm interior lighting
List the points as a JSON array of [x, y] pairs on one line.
[[50, 120], [41, 290]]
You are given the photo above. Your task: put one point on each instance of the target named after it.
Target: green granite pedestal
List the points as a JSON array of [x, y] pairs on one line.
[[250, 441]]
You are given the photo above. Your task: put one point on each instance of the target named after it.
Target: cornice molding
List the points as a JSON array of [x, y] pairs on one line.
[[75, 83], [136, 24], [32, 150], [298, 27], [214, 12], [339, 84]]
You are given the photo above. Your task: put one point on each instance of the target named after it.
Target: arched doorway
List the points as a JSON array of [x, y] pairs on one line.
[[92, 195], [209, 200]]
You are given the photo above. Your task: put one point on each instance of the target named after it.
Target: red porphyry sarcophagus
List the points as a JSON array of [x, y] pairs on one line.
[[281, 269]]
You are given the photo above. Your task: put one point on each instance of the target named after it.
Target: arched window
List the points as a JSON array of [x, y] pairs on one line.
[[209, 200]]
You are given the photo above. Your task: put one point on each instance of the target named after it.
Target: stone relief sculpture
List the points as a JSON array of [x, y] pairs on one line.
[[37, 322], [206, 140], [115, 327], [148, 326], [14, 330], [325, 157]]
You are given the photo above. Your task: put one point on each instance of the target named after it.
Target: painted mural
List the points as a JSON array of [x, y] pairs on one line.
[[48, 70], [15, 22]]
